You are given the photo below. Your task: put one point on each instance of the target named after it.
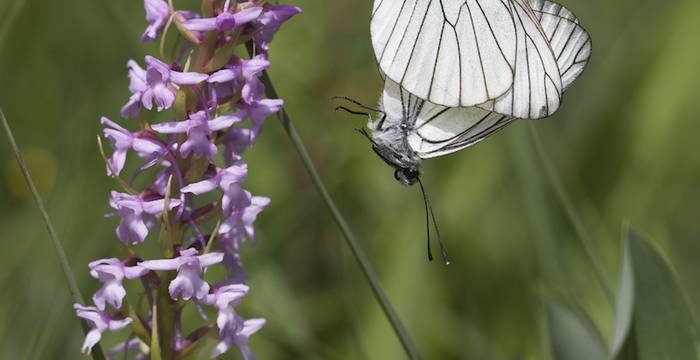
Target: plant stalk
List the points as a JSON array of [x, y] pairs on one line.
[[572, 213], [58, 247], [354, 245]]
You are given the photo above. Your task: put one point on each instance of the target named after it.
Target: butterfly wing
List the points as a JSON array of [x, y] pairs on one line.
[[442, 130], [537, 85], [569, 41], [450, 52]]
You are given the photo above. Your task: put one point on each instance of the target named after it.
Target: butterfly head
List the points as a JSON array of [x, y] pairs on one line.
[[407, 176], [399, 156]]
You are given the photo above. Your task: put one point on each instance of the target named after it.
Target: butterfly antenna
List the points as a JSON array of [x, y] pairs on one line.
[[428, 214], [358, 103]]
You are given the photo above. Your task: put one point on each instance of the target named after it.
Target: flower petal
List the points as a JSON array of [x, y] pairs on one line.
[[225, 121], [210, 259], [174, 127], [187, 78], [161, 264], [206, 24], [201, 187]]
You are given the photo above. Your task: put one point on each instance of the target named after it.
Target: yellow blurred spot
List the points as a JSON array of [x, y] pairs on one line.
[[42, 166]]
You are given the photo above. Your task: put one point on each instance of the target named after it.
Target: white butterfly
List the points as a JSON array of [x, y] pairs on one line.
[[457, 71]]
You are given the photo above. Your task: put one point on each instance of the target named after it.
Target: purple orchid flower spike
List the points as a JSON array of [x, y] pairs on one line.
[[189, 282], [224, 97], [111, 272], [157, 15], [237, 331], [228, 180], [122, 140], [99, 322], [224, 21], [161, 81], [134, 212], [198, 129]]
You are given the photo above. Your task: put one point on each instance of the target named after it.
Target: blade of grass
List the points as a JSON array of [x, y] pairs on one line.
[[572, 213], [354, 245], [58, 247]]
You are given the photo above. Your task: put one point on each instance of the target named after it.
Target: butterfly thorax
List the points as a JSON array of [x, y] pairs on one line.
[[389, 141]]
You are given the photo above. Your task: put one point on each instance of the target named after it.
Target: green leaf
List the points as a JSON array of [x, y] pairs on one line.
[[572, 335], [654, 320]]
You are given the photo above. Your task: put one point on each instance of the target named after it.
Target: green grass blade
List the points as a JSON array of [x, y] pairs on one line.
[[354, 245], [58, 247], [572, 213]]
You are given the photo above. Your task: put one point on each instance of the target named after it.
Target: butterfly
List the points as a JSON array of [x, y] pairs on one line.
[[457, 71], [428, 109]]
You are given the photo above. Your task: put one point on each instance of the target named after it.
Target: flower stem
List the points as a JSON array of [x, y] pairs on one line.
[[573, 215], [58, 247], [354, 245]]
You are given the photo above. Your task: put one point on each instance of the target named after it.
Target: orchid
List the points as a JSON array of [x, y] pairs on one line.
[[161, 81], [157, 14], [134, 212], [111, 272], [209, 102], [224, 21], [228, 180], [99, 322], [123, 140], [188, 282], [198, 129], [236, 331]]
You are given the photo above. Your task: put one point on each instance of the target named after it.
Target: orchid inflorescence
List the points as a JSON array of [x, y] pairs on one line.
[[217, 106]]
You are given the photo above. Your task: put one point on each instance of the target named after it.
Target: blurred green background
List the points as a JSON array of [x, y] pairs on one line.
[[625, 144]]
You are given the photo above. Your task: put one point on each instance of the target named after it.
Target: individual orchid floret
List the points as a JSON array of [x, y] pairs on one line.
[[237, 331], [228, 180], [198, 129], [226, 298], [122, 140], [157, 15], [189, 282], [249, 71], [258, 111], [161, 81], [134, 211], [224, 21], [111, 272], [269, 22], [235, 142], [137, 85], [234, 230], [241, 223], [99, 321]]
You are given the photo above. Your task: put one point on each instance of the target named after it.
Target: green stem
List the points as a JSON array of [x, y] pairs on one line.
[[357, 251], [571, 212], [58, 247]]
